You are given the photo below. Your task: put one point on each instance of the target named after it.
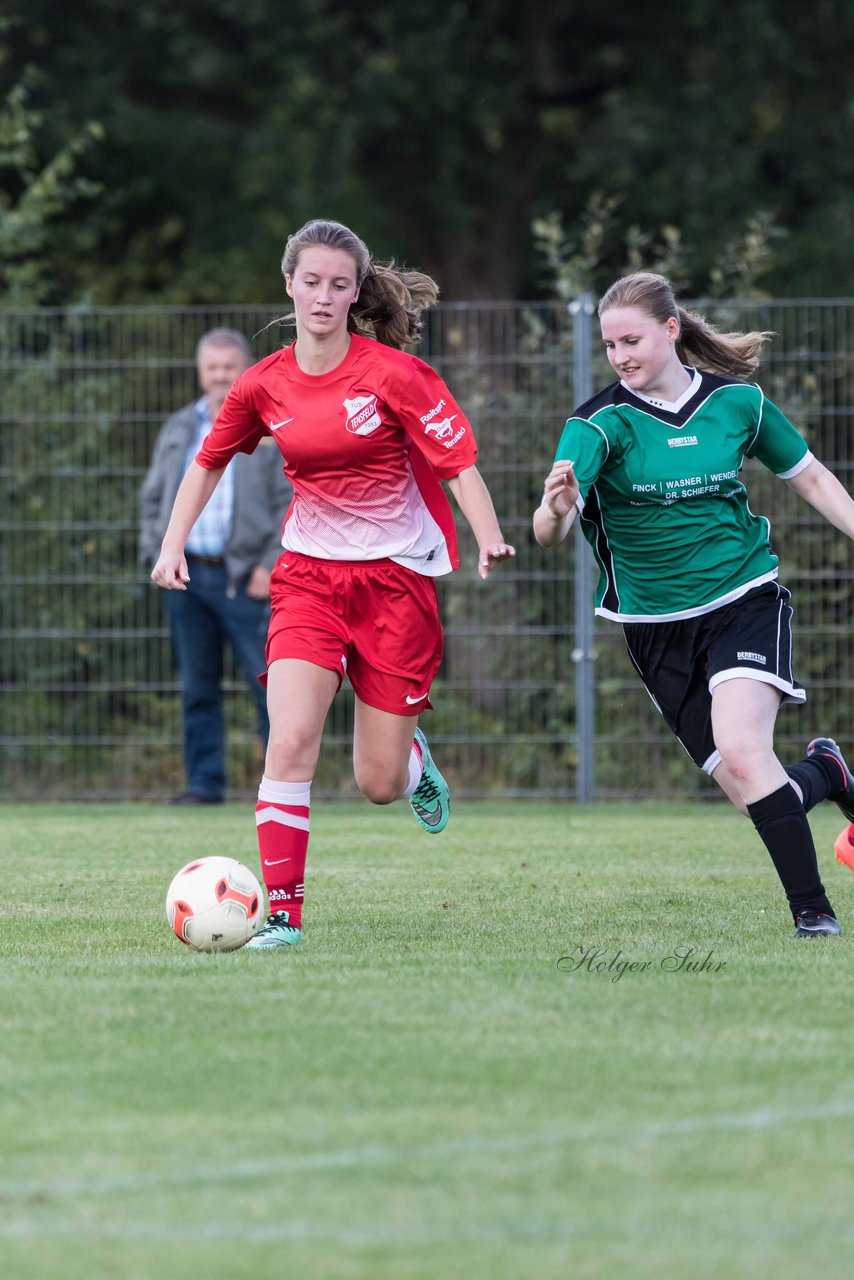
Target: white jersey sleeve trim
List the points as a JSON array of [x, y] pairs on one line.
[[797, 468]]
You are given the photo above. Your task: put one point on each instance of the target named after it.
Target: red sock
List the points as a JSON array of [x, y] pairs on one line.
[[281, 817]]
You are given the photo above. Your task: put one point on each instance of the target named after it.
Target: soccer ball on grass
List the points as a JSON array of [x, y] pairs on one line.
[[215, 904]]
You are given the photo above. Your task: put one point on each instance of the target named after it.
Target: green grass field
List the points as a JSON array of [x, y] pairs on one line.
[[427, 1088]]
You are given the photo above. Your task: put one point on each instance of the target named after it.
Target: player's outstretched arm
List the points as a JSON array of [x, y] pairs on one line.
[[821, 489], [555, 514], [474, 501], [190, 501]]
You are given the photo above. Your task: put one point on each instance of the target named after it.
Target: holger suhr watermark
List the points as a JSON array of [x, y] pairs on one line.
[[682, 959]]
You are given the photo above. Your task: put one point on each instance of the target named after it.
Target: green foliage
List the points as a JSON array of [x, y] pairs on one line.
[[33, 192], [418, 1090], [440, 131], [572, 260], [581, 261], [34, 354], [745, 259], [68, 484]]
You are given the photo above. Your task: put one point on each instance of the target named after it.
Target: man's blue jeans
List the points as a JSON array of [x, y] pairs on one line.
[[203, 620]]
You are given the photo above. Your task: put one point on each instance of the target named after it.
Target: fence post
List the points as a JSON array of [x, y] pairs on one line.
[[582, 309]]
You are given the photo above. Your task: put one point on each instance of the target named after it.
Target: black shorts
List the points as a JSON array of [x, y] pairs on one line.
[[681, 662]]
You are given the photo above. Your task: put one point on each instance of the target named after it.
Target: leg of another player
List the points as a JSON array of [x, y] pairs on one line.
[[744, 712], [392, 761], [299, 695]]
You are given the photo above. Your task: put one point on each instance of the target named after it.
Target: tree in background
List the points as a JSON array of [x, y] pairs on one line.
[[47, 487], [34, 192], [439, 130], [577, 262]]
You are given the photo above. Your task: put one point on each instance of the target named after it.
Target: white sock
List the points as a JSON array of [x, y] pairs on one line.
[[416, 769], [284, 792]]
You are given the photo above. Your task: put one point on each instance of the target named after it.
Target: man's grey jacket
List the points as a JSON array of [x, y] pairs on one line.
[[262, 494]]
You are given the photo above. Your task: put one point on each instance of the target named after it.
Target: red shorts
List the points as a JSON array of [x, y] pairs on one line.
[[375, 621]]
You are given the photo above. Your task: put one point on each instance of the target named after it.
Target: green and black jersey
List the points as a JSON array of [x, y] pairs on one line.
[[661, 499]]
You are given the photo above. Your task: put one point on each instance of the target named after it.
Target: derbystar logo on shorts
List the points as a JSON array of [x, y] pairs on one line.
[[745, 655], [362, 414]]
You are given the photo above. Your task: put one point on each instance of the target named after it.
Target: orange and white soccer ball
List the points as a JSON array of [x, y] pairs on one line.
[[215, 904]]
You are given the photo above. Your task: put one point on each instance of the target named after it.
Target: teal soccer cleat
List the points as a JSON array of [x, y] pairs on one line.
[[431, 799], [276, 932]]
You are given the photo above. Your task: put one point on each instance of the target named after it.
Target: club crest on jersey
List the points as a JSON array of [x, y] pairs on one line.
[[362, 415]]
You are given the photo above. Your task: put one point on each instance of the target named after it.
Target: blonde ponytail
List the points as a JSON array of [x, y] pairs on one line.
[[700, 344]]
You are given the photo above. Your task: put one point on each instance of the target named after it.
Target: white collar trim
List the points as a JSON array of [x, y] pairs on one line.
[[670, 406]]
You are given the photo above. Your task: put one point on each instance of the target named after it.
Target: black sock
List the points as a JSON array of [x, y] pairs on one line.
[[815, 779], [781, 822]]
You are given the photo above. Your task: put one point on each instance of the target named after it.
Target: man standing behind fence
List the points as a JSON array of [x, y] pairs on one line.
[[230, 554]]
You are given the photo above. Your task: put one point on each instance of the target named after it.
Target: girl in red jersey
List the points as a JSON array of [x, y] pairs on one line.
[[367, 433]]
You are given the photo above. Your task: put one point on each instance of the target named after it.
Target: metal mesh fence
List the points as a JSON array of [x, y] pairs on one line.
[[89, 703]]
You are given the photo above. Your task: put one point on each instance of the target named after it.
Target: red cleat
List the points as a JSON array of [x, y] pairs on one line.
[[844, 846]]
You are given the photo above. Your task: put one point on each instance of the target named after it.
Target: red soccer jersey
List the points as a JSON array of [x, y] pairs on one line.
[[365, 447]]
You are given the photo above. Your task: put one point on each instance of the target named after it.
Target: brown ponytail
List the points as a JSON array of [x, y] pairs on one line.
[[390, 304]]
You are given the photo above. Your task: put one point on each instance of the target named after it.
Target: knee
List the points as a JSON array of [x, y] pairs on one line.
[[736, 762], [288, 752], [380, 788], [380, 794], [742, 760]]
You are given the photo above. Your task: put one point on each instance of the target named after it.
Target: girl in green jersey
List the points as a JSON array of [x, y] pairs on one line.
[[652, 464]]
